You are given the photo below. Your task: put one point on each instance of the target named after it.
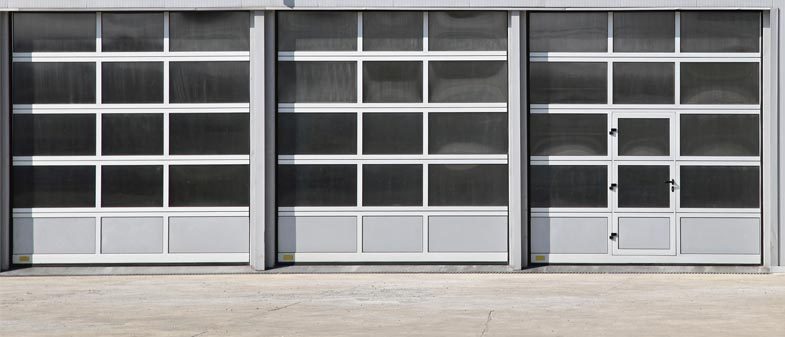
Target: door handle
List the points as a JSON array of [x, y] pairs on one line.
[[613, 186], [613, 236], [613, 131], [673, 184]]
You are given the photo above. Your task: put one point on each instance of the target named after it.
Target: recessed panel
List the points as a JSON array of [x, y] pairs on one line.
[[645, 233], [456, 234], [569, 235], [720, 235], [54, 235], [317, 234], [132, 235], [208, 234], [392, 234]]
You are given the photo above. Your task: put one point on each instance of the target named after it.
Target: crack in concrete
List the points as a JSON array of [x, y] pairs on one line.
[[199, 334], [487, 321], [283, 307]]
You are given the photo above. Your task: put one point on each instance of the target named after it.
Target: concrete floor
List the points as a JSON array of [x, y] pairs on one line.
[[338, 305]]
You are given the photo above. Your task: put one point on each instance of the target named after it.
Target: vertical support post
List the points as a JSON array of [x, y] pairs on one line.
[[517, 239], [270, 158], [771, 147], [257, 152], [5, 141]]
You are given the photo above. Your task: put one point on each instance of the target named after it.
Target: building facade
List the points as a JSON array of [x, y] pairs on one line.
[[474, 132]]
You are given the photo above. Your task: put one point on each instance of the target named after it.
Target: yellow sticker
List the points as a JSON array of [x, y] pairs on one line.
[[539, 258], [288, 257], [24, 258]]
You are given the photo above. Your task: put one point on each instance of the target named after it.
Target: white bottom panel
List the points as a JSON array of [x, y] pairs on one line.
[[130, 258], [393, 257], [615, 259]]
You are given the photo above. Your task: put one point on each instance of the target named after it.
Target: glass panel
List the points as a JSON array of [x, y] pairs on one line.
[[208, 82], [392, 185], [473, 132], [317, 133], [392, 133], [720, 135], [467, 30], [53, 82], [467, 185], [53, 135], [467, 81], [208, 185], [719, 83], [720, 187], [392, 82], [568, 185], [644, 137], [392, 30], [132, 186], [317, 30], [209, 31], [644, 31], [132, 134], [568, 32], [317, 185], [317, 82], [208, 133], [132, 82], [53, 186], [568, 83], [132, 32], [568, 134], [720, 31], [53, 32], [644, 186], [643, 83]]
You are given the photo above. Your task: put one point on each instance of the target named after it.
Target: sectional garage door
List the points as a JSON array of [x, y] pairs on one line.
[[130, 137], [392, 136], [645, 137]]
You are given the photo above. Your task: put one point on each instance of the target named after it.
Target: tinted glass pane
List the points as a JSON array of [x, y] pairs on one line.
[[53, 32], [317, 30], [644, 186], [53, 135], [308, 82], [392, 30], [467, 185], [55, 82], [209, 30], [213, 133], [317, 185], [475, 133], [720, 187], [132, 32], [644, 31], [132, 82], [132, 186], [208, 82], [568, 83], [644, 137], [392, 82], [317, 133], [392, 185], [718, 31], [643, 83], [208, 185], [392, 133], [568, 134], [720, 135], [568, 32], [467, 81], [53, 186], [467, 30], [132, 134], [719, 83], [568, 185]]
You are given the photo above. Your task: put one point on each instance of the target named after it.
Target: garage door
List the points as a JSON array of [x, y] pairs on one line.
[[130, 137], [392, 136], [645, 137]]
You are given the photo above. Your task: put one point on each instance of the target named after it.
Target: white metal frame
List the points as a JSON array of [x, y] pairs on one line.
[[360, 108], [166, 109], [674, 112]]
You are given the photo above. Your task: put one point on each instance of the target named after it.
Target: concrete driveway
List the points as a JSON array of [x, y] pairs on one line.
[[452, 305]]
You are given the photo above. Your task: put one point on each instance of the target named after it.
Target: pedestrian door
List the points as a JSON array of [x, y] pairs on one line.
[[643, 184]]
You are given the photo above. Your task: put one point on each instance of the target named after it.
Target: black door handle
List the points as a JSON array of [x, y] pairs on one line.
[[672, 181], [613, 186], [613, 131], [613, 236]]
